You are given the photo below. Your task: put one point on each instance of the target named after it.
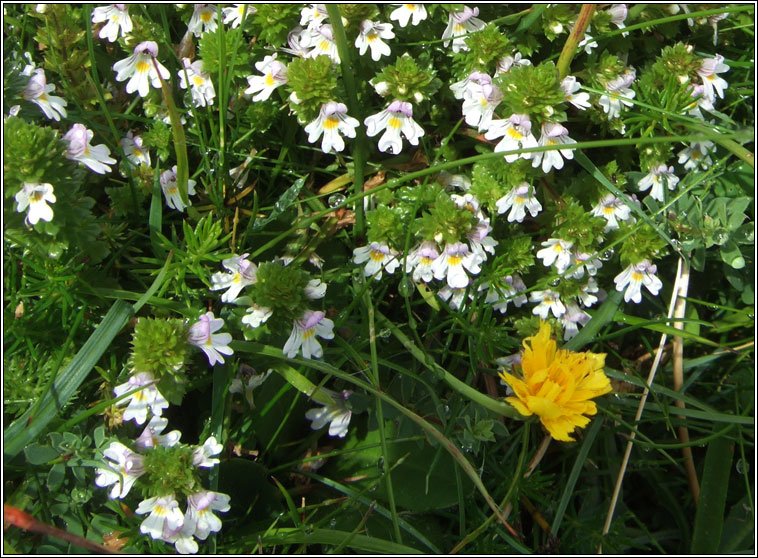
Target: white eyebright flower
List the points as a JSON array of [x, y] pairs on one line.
[[658, 175], [397, 118], [611, 208], [164, 510], [35, 197], [139, 69], [697, 154], [202, 456], [548, 302], [95, 157], [451, 262], [553, 134], [321, 41], [707, 72], [139, 402], [407, 11], [203, 19], [38, 92], [170, 189], [201, 334], [201, 85], [572, 319], [570, 86], [558, 251], [516, 132], [332, 120], [134, 149], [336, 415], [518, 200], [634, 277], [151, 436], [256, 315], [241, 274], [618, 93], [420, 260], [200, 508], [235, 14], [304, 332], [125, 467], [116, 17], [480, 99], [379, 257], [459, 25], [274, 75], [371, 35]]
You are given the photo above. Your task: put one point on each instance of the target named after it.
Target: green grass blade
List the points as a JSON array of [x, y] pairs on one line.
[[361, 543], [709, 520], [27, 427]]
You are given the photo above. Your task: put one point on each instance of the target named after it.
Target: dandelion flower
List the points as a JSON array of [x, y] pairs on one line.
[[558, 385]]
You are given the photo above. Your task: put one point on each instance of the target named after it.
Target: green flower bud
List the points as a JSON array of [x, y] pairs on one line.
[[313, 82], [170, 471], [159, 347], [534, 91], [282, 289], [407, 80], [643, 244]]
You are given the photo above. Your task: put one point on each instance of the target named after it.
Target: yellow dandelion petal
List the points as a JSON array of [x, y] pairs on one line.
[[557, 385]]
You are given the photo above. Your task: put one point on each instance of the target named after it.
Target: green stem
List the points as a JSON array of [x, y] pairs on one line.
[[574, 38], [359, 155]]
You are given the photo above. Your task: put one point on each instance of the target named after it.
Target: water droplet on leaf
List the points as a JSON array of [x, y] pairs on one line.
[[336, 199]]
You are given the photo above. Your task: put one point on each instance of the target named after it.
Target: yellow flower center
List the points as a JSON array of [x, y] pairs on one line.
[[35, 197], [454, 260], [636, 276], [608, 210], [372, 36], [377, 256], [331, 123], [557, 248], [270, 80], [394, 123], [518, 200], [515, 134], [205, 16], [308, 333], [142, 66], [198, 80], [459, 28]]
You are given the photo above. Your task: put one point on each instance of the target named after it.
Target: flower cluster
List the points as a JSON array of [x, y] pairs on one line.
[[168, 470]]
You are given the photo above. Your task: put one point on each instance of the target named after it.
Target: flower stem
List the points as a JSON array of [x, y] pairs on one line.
[[576, 35], [359, 146]]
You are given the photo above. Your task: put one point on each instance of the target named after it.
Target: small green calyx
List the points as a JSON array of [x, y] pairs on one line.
[[282, 289], [159, 347], [407, 81], [313, 83], [643, 244], [170, 471], [445, 222], [534, 91], [486, 48]]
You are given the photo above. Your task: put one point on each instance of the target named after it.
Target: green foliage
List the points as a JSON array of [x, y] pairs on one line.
[[282, 289], [31, 153], [313, 83], [274, 21], [534, 91], [485, 49], [169, 471], [235, 55], [159, 347], [408, 79]]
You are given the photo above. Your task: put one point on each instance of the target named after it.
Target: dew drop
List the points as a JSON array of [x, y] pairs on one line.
[[384, 333], [607, 255], [336, 199], [750, 235], [554, 282], [405, 288], [742, 466]]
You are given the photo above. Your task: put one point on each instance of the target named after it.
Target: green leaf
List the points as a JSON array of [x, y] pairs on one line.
[[731, 254], [284, 202], [39, 455], [709, 520], [361, 543], [29, 425]]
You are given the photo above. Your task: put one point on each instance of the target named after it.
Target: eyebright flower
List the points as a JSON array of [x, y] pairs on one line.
[[583, 261], [235, 14], [460, 24], [202, 457], [116, 17], [570, 86], [480, 99], [200, 508], [397, 118], [587, 293], [658, 175], [588, 43], [407, 11], [505, 64], [321, 41], [163, 510], [337, 415], [636, 275], [480, 240], [516, 132], [697, 154], [256, 315], [140, 70], [202, 335], [454, 297], [304, 332], [618, 93], [557, 386], [241, 274], [139, 402], [38, 92], [181, 537], [35, 197], [203, 92], [95, 157], [518, 200], [151, 436], [558, 251], [134, 149], [549, 301], [618, 16], [125, 467], [379, 257], [332, 120], [203, 19], [611, 208], [451, 263], [313, 16], [420, 260], [507, 290], [371, 35], [274, 75], [572, 319], [553, 134], [707, 72], [246, 381], [171, 189]]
